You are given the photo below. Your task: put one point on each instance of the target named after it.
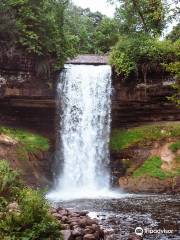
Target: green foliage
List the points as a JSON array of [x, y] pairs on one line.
[[146, 16], [141, 53], [38, 27], [122, 139], [31, 142], [105, 35], [89, 32], [174, 35], [152, 167], [175, 146], [9, 180], [32, 219], [174, 69]]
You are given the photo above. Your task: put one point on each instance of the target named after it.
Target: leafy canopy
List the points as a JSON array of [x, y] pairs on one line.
[[34, 26]]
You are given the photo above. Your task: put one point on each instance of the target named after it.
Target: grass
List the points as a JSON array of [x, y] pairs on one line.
[[175, 146], [30, 142], [122, 139], [152, 167]]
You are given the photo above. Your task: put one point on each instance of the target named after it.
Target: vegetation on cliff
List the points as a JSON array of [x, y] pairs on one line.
[[140, 52], [24, 213], [154, 150], [122, 139], [152, 167], [35, 28], [29, 141]]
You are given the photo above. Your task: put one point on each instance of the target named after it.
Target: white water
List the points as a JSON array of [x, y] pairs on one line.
[[84, 104]]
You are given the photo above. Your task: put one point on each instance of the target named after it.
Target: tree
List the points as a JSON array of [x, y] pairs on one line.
[[105, 36], [146, 16], [38, 27], [175, 33], [89, 32], [141, 54]]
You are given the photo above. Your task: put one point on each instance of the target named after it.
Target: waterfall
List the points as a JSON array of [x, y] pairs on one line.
[[84, 110]]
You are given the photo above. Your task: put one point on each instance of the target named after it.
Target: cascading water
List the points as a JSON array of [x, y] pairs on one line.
[[84, 107]]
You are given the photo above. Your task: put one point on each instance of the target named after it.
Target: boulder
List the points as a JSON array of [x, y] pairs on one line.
[[89, 237], [67, 234]]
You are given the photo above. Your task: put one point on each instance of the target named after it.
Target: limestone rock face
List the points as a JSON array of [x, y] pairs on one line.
[[133, 106], [146, 184]]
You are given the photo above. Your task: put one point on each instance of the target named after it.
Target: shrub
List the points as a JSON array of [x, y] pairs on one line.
[[32, 221], [142, 54], [9, 180]]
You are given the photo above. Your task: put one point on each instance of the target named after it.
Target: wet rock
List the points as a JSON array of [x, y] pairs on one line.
[[75, 215], [65, 226], [77, 232], [84, 213], [89, 230], [79, 238], [63, 212], [82, 222], [64, 219], [95, 227], [134, 237], [90, 222], [57, 215], [67, 235], [73, 224], [89, 237]]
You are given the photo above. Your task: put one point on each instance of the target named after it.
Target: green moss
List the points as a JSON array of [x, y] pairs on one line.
[[175, 146], [152, 167], [122, 139], [30, 142]]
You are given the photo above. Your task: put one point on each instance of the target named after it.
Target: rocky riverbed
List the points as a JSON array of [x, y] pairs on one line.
[[77, 225], [121, 216]]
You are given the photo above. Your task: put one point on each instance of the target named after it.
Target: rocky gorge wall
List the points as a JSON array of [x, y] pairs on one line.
[[142, 104], [28, 101]]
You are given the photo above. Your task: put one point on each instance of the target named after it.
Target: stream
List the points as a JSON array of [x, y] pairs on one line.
[[121, 216]]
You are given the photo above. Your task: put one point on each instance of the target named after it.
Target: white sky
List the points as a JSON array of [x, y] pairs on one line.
[[96, 5]]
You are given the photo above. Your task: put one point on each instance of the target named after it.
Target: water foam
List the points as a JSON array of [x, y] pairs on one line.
[[84, 110]]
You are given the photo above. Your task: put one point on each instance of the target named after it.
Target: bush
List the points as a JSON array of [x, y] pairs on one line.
[[31, 220], [9, 181], [141, 54]]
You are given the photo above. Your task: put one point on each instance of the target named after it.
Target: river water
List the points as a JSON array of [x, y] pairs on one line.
[[121, 216]]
